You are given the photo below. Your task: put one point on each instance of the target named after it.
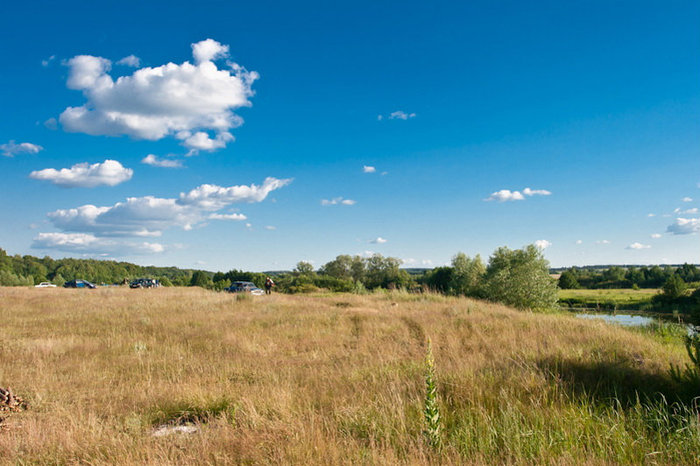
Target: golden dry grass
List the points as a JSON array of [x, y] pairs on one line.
[[334, 379]]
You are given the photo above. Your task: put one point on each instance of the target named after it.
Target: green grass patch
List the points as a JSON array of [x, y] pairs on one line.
[[608, 299]]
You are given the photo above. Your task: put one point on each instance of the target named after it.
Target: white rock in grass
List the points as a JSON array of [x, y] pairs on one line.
[[164, 430]]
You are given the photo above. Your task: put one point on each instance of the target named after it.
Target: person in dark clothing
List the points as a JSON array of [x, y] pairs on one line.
[[268, 285]]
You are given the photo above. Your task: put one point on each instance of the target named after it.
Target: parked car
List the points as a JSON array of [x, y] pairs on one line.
[[79, 284], [245, 287], [45, 285], [144, 283]]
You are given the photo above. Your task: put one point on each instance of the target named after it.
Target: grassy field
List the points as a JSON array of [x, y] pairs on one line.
[[336, 379], [608, 299]]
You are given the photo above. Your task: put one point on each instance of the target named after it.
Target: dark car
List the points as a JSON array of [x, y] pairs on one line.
[[144, 283], [79, 284], [244, 287]]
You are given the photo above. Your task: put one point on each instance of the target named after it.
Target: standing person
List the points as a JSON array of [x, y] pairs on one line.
[[268, 285]]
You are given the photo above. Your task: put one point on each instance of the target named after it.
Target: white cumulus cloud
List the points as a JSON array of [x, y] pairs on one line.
[[379, 240], [46, 62], [187, 101], [90, 244], [368, 169], [602, 241], [536, 192], [337, 200], [687, 199], [684, 226], [401, 115], [150, 216], [507, 195], [131, 60], [227, 217], [542, 243], [156, 161], [655, 235], [638, 246], [10, 149], [85, 175]]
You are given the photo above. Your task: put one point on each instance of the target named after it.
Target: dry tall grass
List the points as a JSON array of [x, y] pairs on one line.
[[335, 379]]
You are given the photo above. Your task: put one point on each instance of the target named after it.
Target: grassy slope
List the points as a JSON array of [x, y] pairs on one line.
[[326, 380]]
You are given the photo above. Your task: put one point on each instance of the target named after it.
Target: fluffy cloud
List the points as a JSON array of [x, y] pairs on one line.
[[336, 201], [579, 241], [638, 246], [86, 243], [602, 241], [149, 215], [201, 141], [655, 235], [536, 192], [208, 50], [507, 195], [11, 149], [187, 101], [542, 243], [155, 161], [368, 169], [684, 226], [227, 217], [687, 199], [48, 61], [379, 240], [132, 61], [84, 175], [400, 115], [691, 211]]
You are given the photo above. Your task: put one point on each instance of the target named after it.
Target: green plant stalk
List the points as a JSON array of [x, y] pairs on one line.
[[431, 410]]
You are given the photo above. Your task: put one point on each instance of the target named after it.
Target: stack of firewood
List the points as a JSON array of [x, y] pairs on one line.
[[9, 402]]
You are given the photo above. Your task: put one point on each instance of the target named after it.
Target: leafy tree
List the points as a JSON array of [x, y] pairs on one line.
[[58, 280], [201, 279], [304, 268], [439, 279], [688, 272], [358, 269], [467, 276], [340, 267], [165, 281], [385, 272], [568, 280], [520, 278], [674, 287]]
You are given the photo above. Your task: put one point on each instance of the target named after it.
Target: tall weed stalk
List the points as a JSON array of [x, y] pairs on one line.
[[431, 410]]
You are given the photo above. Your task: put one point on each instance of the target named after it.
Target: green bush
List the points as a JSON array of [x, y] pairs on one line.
[[520, 278]]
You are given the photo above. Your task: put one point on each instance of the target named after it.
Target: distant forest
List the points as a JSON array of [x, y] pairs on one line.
[[344, 273], [29, 270], [614, 276]]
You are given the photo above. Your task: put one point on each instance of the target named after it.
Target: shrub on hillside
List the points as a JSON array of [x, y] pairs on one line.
[[520, 278]]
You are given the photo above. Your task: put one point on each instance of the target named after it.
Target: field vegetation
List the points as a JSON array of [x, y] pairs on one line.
[[332, 379], [607, 299]]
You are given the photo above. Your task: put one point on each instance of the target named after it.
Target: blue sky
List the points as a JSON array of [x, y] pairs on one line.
[[304, 130]]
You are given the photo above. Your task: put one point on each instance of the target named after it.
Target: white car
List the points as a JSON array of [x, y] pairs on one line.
[[45, 285]]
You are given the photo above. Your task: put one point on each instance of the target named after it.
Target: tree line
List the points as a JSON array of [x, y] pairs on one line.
[[29, 270], [626, 277], [518, 278]]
